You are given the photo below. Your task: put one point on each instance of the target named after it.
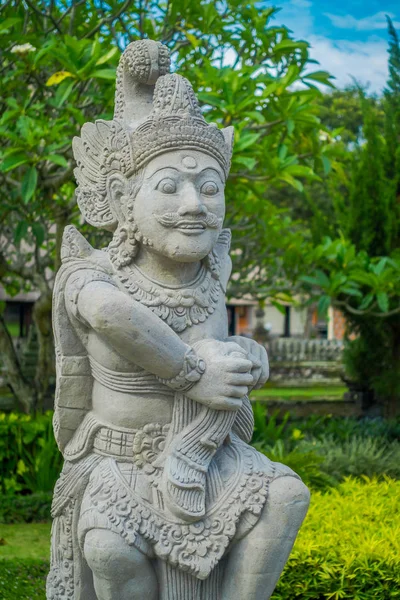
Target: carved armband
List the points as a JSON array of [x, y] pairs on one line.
[[193, 368]]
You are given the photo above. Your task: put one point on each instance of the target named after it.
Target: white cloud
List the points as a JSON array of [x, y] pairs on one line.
[[364, 61], [377, 21]]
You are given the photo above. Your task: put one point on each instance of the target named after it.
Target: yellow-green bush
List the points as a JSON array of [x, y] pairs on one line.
[[349, 545]]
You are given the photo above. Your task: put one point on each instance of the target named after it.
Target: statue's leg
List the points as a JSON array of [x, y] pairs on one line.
[[120, 572], [255, 562]]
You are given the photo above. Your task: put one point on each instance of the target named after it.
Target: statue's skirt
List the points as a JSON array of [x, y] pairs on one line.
[[103, 491]]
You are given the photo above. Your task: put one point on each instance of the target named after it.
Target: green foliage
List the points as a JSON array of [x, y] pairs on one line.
[[326, 450], [33, 508], [357, 456], [29, 459], [306, 463], [349, 545], [361, 284]]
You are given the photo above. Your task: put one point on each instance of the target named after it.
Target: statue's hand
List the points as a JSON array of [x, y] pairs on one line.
[[226, 378], [258, 356]]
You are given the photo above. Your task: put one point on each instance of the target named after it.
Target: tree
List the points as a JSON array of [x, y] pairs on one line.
[[359, 271], [63, 74]]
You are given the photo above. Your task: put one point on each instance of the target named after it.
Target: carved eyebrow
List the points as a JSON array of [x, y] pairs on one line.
[[177, 171], [212, 169], [162, 169]]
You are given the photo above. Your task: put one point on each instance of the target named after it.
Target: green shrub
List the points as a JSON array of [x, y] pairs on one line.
[[349, 545], [29, 459], [34, 508], [341, 428], [356, 456], [307, 464]]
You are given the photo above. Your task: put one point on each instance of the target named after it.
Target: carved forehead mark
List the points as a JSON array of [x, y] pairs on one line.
[[189, 162]]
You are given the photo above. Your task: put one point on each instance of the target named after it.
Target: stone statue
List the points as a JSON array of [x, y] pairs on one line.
[[161, 497]]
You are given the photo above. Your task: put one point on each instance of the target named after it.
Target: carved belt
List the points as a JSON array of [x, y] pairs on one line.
[[142, 446], [111, 442]]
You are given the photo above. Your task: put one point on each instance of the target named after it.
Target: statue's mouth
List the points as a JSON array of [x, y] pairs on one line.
[[189, 225]]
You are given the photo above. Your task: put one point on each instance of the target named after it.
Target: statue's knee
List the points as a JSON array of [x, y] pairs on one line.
[[109, 556], [291, 493]]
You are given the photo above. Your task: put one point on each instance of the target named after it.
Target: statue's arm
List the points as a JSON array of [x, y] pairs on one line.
[[132, 329], [137, 334]]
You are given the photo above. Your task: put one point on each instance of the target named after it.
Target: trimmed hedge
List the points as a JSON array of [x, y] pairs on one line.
[[34, 508], [348, 548]]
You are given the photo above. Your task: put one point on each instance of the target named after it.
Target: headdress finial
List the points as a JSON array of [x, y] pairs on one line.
[[155, 112]]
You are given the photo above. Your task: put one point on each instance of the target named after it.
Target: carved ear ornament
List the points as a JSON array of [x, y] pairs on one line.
[[155, 112]]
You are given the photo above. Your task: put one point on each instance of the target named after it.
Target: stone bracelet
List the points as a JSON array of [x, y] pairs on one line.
[[193, 368]]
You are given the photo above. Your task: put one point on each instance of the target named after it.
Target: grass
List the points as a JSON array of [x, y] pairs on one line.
[[299, 393], [24, 540]]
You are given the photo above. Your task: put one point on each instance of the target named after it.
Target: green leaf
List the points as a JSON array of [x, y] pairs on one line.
[[320, 76], [106, 57], [104, 74], [377, 269], [38, 232], [20, 231], [290, 124], [29, 183], [7, 23], [63, 91], [301, 171], [366, 302], [246, 140], [323, 305], [14, 161], [351, 292], [278, 306], [326, 164], [383, 301], [247, 161], [291, 181], [310, 280], [323, 279], [57, 159], [290, 45]]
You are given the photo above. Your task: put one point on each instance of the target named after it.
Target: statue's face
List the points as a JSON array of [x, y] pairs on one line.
[[180, 206]]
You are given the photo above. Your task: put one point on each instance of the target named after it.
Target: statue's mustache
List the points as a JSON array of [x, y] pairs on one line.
[[174, 219]]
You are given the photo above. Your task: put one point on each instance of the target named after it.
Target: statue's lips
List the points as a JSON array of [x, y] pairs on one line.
[[190, 227]]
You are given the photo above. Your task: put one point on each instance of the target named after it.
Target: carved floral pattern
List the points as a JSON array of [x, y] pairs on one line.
[[193, 547]]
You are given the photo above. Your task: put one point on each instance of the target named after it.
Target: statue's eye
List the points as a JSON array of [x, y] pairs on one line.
[[209, 188], [167, 186]]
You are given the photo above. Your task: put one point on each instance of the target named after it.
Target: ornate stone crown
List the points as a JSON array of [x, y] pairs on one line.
[[155, 112]]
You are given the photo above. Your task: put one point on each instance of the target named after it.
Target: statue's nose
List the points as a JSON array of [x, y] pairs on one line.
[[191, 204]]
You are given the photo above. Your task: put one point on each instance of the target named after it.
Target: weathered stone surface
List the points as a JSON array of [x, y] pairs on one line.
[[161, 496]]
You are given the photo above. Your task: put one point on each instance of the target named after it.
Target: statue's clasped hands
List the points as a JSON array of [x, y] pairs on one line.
[[232, 369]]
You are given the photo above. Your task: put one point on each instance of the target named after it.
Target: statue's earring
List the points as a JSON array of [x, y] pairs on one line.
[[124, 246]]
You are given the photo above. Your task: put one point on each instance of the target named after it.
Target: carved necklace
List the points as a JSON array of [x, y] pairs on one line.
[[179, 307]]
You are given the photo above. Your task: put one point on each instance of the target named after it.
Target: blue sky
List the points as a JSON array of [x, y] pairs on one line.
[[348, 37]]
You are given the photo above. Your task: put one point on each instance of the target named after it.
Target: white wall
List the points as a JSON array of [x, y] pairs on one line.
[[276, 319]]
